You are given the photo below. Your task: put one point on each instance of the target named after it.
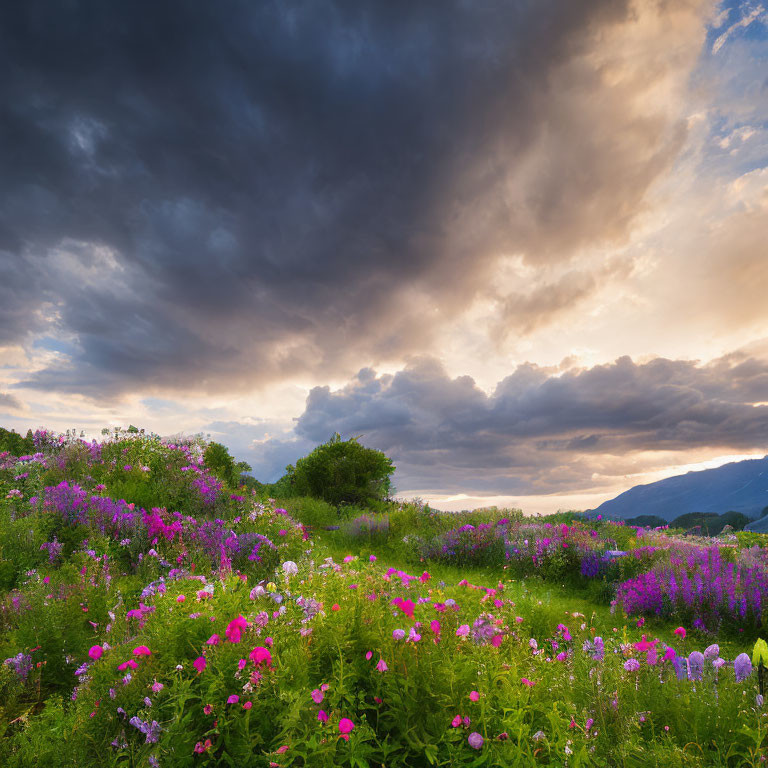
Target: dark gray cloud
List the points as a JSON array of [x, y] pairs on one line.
[[275, 188], [9, 401], [538, 431]]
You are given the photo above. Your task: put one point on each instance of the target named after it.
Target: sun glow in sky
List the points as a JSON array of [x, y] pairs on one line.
[[520, 247]]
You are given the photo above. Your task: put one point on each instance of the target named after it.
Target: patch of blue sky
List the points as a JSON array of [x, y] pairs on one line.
[[733, 71], [158, 404], [52, 344]]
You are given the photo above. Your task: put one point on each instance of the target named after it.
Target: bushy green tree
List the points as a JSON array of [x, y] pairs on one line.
[[342, 471], [219, 461], [16, 444]]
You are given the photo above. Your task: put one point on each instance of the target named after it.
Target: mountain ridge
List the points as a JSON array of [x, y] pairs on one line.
[[739, 486]]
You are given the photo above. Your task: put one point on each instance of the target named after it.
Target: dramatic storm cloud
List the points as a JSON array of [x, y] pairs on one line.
[[211, 213], [536, 423], [209, 195]]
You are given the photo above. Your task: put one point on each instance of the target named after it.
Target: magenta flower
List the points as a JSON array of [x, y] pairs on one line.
[[463, 630], [382, 666], [180, 599], [345, 728], [199, 664], [234, 630], [406, 606], [475, 740], [368, 655], [317, 696], [322, 716], [247, 705], [680, 632], [233, 699], [631, 665], [643, 646], [527, 682], [260, 655], [213, 640], [130, 663], [95, 652], [474, 696], [141, 650], [456, 722], [398, 634]]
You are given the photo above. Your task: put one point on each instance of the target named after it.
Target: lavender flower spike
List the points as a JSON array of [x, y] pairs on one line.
[[742, 667]]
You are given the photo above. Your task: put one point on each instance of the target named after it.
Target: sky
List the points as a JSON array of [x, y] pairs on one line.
[[521, 247]]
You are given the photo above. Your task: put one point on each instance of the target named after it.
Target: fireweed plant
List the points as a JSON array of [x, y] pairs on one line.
[[151, 615]]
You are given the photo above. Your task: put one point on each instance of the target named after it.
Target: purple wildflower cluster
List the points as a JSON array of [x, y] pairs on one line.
[[699, 585], [21, 664], [173, 533]]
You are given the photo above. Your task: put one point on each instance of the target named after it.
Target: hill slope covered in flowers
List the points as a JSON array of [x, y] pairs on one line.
[[152, 615]]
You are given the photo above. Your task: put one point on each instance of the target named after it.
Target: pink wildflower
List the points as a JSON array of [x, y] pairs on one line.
[[345, 728], [261, 655], [95, 652], [234, 630], [141, 650], [199, 664]]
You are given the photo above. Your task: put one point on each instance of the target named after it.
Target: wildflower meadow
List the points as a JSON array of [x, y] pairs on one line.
[[155, 611]]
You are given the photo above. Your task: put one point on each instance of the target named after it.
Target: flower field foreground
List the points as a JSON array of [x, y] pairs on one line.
[[152, 616]]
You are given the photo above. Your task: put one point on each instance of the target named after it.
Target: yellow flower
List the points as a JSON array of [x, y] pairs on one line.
[[271, 586]]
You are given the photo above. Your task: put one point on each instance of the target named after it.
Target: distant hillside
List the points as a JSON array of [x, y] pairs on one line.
[[741, 486]]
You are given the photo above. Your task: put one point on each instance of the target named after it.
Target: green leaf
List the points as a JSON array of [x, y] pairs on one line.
[[760, 653]]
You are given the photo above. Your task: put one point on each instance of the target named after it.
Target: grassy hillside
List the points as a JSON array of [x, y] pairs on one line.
[[154, 614]]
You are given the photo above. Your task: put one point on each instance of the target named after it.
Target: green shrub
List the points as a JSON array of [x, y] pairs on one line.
[[342, 471]]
